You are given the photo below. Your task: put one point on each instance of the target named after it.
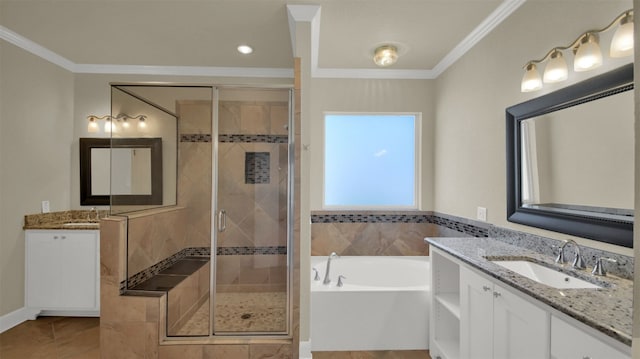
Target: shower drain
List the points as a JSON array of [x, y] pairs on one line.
[[246, 316]]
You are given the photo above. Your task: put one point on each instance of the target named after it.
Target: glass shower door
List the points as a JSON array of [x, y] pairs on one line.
[[252, 280]]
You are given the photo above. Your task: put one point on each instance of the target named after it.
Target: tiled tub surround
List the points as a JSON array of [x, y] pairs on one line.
[[392, 233], [608, 310], [60, 219]]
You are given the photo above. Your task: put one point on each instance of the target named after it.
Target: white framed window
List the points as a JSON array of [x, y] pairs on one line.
[[371, 160]]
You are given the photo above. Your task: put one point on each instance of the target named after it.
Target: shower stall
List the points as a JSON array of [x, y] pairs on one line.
[[225, 262]]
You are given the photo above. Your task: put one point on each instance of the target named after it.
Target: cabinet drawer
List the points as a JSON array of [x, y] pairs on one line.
[[568, 342]]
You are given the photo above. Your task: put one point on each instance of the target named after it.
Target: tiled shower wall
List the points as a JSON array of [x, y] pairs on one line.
[[194, 169], [252, 182]]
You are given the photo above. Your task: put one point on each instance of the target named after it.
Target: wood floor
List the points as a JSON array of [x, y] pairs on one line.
[[79, 338], [52, 338]]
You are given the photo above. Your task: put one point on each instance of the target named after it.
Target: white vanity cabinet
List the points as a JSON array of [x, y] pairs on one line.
[[62, 272], [569, 342], [496, 323]]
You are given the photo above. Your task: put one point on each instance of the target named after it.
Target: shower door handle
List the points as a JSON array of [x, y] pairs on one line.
[[222, 220]]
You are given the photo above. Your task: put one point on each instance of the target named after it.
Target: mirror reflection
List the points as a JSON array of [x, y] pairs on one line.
[[580, 159], [134, 171]]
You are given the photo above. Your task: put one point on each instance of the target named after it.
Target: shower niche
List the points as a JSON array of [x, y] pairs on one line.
[[219, 248]]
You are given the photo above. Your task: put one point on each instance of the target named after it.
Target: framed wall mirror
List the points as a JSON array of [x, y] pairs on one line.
[[570, 159], [126, 171]]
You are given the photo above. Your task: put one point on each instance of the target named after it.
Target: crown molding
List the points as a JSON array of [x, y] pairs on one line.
[[36, 49], [296, 13], [206, 71], [486, 26]]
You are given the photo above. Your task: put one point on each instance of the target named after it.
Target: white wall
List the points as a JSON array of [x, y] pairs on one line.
[[472, 96], [36, 137]]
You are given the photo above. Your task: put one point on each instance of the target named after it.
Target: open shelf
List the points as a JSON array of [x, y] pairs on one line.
[[450, 349], [450, 301]]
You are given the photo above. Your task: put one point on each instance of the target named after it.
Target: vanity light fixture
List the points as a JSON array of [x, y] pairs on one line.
[[142, 124], [111, 122], [93, 125], [587, 54], [385, 55], [531, 80]]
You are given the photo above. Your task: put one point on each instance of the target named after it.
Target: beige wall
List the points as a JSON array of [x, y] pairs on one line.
[[35, 155], [472, 95], [355, 95]]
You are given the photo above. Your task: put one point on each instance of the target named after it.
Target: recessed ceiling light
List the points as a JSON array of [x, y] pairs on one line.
[[245, 49]]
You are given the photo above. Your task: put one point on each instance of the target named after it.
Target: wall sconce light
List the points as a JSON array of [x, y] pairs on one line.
[[111, 122], [385, 55], [587, 54]]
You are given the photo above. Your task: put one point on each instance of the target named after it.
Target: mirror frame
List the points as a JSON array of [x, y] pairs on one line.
[[592, 227], [86, 198]]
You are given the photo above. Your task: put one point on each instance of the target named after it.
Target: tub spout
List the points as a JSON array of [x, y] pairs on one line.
[[327, 280]]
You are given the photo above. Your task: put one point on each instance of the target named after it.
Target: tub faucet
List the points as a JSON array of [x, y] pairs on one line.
[[327, 280], [578, 261]]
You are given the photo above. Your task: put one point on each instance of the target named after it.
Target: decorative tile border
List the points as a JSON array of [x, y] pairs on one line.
[[465, 228], [253, 138], [248, 251], [195, 137]]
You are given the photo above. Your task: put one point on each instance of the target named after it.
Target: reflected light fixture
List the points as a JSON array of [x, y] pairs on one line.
[[111, 122], [587, 54], [385, 55]]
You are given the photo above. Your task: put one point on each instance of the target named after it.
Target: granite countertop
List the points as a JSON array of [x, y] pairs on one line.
[[67, 220], [608, 309]]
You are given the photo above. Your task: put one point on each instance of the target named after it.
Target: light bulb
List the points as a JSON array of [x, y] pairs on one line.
[[385, 55], [142, 124], [588, 56], [110, 126], [125, 123], [531, 80], [93, 125], [556, 70], [622, 42]]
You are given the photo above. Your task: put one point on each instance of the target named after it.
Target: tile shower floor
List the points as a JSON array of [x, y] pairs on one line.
[[240, 312]]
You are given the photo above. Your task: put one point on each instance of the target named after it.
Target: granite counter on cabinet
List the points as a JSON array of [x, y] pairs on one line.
[[607, 309], [67, 220]]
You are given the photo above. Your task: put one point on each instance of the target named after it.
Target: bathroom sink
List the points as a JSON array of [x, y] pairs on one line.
[[545, 275]]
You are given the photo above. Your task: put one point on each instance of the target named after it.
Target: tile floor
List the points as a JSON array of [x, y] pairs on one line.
[[52, 338], [79, 338]]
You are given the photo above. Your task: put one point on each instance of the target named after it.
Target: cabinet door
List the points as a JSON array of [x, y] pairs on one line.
[[61, 270], [569, 342], [521, 329], [78, 266], [41, 273], [476, 316]]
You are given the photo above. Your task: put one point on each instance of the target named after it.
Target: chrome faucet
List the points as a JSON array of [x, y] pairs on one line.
[[578, 261], [327, 280], [598, 269]]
